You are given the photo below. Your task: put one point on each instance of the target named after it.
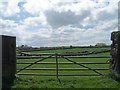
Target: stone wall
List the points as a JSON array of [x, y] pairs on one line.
[[115, 53]]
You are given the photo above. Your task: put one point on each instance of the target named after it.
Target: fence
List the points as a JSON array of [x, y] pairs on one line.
[[57, 63]]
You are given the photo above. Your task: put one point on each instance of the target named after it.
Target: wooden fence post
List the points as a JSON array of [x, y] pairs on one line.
[[8, 60]]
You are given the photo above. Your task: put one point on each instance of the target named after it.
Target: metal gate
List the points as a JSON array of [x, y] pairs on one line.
[[70, 61]]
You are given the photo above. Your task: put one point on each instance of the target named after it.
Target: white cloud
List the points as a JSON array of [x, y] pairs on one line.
[[21, 31], [36, 6], [58, 19], [9, 27], [57, 22], [35, 21], [9, 8]]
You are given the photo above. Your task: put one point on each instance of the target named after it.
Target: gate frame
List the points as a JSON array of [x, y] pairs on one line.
[[56, 56]]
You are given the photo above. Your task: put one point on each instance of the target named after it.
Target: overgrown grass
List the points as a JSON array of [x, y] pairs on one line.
[[66, 82], [29, 82]]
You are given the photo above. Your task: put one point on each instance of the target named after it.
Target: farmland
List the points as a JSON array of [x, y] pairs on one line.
[[66, 81]]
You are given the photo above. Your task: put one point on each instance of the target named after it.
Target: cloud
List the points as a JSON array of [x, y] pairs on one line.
[[36, 6], [59, 23], [58, 19], [9, 8], [35, 21], [21, 31], [9, 27], [107, 13]]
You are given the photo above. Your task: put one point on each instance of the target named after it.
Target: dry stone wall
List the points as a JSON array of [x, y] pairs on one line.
[[115, 53]]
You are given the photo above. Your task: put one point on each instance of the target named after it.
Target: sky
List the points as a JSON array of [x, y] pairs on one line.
[[42, 23]]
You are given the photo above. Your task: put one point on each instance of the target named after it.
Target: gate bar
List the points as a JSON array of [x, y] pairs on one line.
[[60, 56], [33, 63], [63, 62], [30, 74], [56, 66], [64, 69], [83, 66]]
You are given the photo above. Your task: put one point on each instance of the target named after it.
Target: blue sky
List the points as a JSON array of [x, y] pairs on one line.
[[59, 22]]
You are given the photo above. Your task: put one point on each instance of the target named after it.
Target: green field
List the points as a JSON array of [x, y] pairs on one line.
[[70, 81]]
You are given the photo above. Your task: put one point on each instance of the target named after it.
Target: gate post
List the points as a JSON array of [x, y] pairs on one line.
[[0, 62], [8, 60], [115, 52]]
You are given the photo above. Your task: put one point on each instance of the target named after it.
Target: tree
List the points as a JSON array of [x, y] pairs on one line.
[[70, 46], [100, 44], [24, 47]]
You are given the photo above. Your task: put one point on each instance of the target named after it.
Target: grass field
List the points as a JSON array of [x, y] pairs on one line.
[[70, 81]]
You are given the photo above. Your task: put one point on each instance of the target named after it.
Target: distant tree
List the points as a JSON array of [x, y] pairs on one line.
[[90, 45], [100, 44], [70, 46], [24, 47]]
